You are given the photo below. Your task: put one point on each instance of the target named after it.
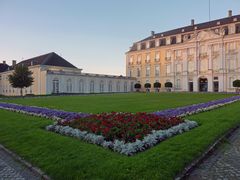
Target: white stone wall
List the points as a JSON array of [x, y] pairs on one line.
[[76, 85], [44, 76]]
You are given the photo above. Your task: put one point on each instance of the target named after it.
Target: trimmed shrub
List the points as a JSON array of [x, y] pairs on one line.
[[157, 85], [168, 85], [137, 86], [147, 85]]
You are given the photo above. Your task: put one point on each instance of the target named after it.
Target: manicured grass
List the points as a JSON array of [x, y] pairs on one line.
[[68, 158], [135, 102]]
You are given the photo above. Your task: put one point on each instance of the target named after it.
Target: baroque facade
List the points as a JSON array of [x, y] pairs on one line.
[[53, 74], [201, 57]]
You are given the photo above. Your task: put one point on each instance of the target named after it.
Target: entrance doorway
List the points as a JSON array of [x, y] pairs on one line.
[[203, 84], [215, 86], [190, 86]]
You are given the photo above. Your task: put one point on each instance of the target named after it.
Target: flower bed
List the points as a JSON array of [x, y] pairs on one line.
[[125, 133], [127, 127], [126, 148]]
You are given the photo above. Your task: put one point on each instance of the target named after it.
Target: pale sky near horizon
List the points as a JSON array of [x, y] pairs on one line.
[[94, 34]]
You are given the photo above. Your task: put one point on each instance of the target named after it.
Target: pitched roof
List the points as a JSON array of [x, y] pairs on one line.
[[50, 59], [199, 26], [3, 67]]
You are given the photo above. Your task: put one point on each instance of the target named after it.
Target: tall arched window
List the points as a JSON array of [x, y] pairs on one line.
[[55, 84], [81, 86], [110, 86], [91, 86], [118, 86], [125, 86], [69, 85], [101, 86]]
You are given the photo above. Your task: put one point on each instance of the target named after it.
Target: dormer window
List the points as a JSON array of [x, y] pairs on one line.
[[148, 45], [143, 46], [138, 46], [152, 44], [157, 43], [162, 42], [237, 29], [173, 40], [225, 30]]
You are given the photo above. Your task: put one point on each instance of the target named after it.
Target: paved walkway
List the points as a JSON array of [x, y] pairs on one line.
[[11, 169], [224, 163]]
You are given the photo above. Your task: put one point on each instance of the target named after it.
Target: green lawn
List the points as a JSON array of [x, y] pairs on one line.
[[135, 102], [68, 158]]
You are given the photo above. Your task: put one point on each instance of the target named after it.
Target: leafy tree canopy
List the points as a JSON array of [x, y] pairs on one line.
[[21, 77]]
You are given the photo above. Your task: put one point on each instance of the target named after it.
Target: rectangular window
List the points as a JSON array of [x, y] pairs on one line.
[[179, 68], [162, 42], [147, 58], [157, 70], [157, 56], [178, 53], [138, 72], [152, 44], [225, 30], [139, 59], [168, 70], [237, 28], [143, 45], [178, 84], [173, 40], [147, 71]]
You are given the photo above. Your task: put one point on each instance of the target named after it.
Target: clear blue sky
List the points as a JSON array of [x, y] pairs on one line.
[[94, 34]]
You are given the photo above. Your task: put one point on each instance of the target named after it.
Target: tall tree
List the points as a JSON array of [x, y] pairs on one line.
[[21, 77]]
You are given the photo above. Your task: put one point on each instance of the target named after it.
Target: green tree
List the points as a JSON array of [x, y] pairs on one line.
[[236, 84], [21, 77]]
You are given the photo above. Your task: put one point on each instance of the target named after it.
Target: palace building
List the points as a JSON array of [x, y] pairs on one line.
[[53, 74], [201, 57]]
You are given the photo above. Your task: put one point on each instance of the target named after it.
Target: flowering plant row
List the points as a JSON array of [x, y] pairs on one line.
[[197, 108], [42, 112], [126, 148], [59, 114], [127, 127]]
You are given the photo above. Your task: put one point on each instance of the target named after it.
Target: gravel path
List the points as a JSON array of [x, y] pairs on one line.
[[10, 169], [224, 163]]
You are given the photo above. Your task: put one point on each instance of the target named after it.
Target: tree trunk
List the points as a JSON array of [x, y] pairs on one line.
[[21, 92]]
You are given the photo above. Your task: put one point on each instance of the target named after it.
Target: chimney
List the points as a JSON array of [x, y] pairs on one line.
[[192, 22], [4, 62], [229, 13], [14, 62], [152, 33]]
